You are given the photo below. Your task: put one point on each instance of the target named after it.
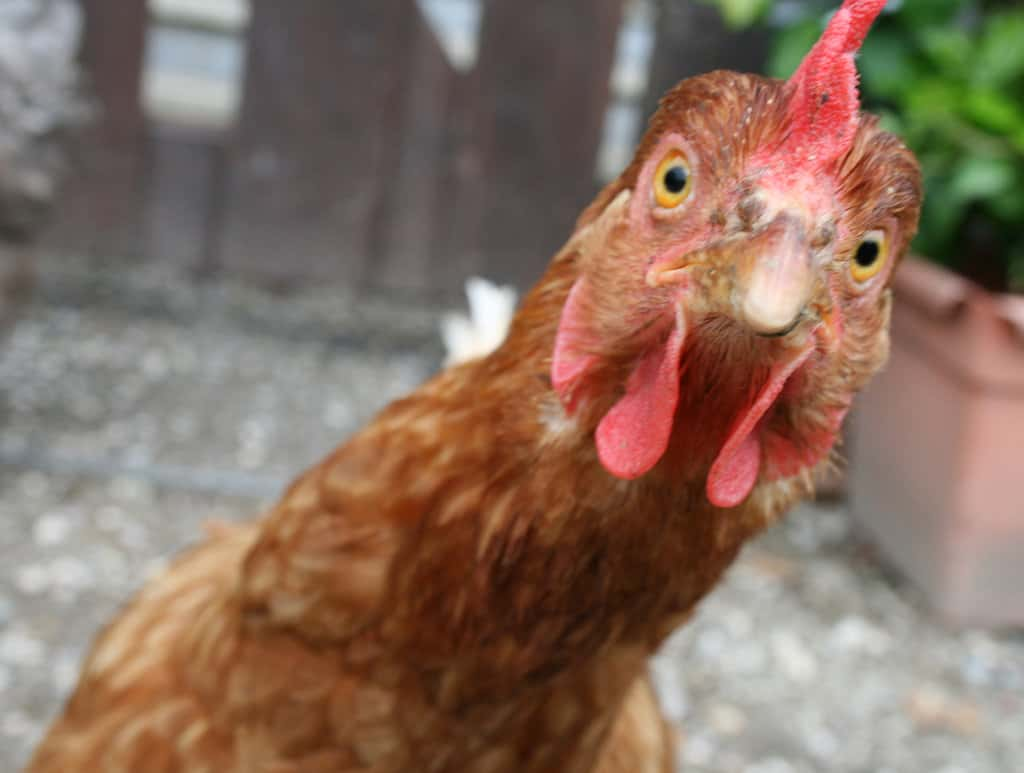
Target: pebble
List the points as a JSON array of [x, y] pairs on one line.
[[70, 574], [51, 529], [32, 579], [857, 635], [65, 672], [19, 724], [770, 765], [668, 680], [698, 750], [794, 657], [21, 650], [727, 719], [933, 708]]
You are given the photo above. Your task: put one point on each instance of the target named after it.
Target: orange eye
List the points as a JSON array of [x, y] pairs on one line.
[[672, 183], [870, 256]]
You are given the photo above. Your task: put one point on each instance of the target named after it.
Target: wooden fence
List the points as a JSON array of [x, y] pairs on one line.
[[360, 154]]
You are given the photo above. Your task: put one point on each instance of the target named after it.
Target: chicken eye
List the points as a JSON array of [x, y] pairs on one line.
[[672, 183], [870, 256]]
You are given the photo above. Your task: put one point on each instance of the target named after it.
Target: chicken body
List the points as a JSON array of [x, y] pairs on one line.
[[452, 622], [475, 581]]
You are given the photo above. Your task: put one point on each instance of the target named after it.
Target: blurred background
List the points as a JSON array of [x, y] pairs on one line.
[[228, 232]]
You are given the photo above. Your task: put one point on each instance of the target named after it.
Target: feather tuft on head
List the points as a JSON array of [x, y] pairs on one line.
[[824, 103]]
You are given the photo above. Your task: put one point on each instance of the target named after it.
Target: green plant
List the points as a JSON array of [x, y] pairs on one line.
[[741, 13], [948, 76]]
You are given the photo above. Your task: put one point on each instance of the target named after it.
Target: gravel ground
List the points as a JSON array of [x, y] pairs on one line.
[[133, 407]]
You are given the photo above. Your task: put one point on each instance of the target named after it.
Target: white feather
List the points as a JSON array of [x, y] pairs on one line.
[[491, 308]]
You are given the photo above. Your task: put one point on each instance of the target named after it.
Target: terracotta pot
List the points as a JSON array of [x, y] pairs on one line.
[[937, 469]]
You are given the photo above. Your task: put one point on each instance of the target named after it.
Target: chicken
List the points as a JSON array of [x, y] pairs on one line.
[[475, 581]]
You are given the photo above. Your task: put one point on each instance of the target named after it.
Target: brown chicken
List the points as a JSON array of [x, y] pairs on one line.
[[475, 581]]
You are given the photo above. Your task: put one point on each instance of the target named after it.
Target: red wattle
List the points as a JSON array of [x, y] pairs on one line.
[[735, 469], [731, 480], [634, 434]]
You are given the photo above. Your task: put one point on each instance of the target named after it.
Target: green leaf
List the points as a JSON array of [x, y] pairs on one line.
[[993, 110], [920, 13], [1000, 57], [791, 46], [1008, 206], [891, 121], [741, 13], [948, 48], [942, 215], [887, 64], [1017, 271], [933, 100], [981, 178]]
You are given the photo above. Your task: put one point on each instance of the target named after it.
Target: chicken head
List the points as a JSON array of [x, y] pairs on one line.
[[732, 293]]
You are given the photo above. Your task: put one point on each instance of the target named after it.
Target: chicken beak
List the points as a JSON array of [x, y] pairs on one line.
[[774, 277], [764, 280]]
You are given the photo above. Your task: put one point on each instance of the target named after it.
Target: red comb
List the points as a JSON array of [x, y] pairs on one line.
[[824, 103]]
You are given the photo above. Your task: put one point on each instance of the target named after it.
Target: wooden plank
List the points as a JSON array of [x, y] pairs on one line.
[[416, 203], [538, 109], [99, 211], [691, 39], [112, 52], [17, 279], [318, 135], [182, 195]]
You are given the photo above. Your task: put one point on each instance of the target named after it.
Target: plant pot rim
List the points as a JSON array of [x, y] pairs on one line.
[[944, 295], [972, 336]]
